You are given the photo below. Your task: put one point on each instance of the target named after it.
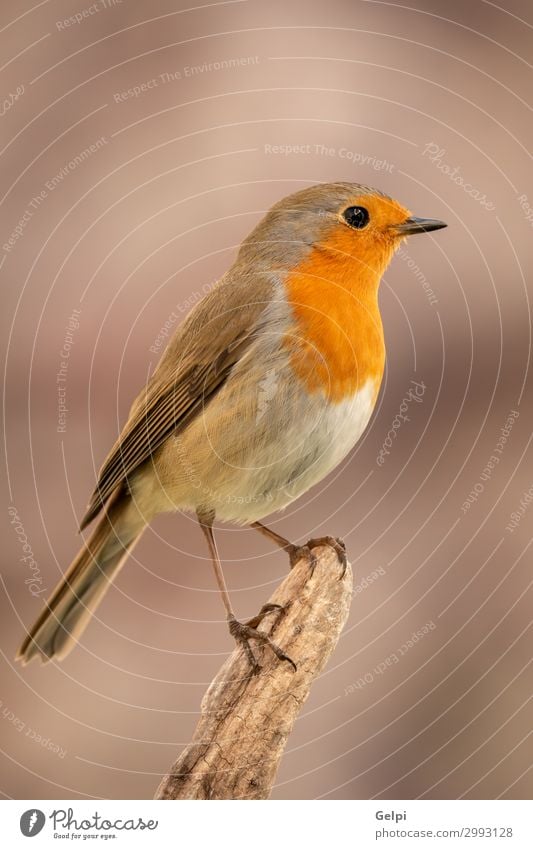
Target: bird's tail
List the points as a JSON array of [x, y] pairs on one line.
[[71, 605]]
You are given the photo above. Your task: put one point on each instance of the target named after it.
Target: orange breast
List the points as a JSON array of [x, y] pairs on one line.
[[337, 342]]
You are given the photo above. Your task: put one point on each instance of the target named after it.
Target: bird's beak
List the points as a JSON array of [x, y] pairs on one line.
[[418, 225]]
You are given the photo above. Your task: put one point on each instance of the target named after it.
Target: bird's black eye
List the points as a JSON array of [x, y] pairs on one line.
[[356, 216]]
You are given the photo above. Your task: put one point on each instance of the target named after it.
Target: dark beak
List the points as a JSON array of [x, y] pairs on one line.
[[418, 225]]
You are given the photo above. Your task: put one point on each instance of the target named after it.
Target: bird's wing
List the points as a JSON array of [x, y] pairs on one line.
[[197, 362]]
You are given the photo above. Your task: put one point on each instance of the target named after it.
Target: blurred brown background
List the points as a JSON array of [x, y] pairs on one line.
[[123, 206]]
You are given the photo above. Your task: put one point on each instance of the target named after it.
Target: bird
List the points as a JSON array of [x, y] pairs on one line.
[[262, 391]]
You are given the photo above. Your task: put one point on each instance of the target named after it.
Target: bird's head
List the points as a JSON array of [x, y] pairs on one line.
[[349, 226]]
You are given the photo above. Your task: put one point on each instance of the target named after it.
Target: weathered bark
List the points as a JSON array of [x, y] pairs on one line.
[[246, 721]]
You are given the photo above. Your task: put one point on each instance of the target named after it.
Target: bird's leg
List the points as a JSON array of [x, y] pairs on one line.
[[242, 632], [297, 552]]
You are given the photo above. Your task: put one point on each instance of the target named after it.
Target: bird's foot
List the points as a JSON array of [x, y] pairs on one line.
[[265, 610], [297, 552], [244, 632], [301, 552]]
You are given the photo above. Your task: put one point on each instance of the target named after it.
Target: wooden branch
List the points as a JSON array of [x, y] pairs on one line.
[[246, 721]]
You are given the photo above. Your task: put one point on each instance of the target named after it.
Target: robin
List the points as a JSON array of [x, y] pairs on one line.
[[264, 388]]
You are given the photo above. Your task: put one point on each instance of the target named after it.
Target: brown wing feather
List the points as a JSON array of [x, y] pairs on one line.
[[193, 368]]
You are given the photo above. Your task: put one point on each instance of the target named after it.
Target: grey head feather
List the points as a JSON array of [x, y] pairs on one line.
[[289, 229]]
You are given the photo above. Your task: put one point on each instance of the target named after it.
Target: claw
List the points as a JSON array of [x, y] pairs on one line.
[[301, 552], [265, 610], [338, 547], [243, 632]]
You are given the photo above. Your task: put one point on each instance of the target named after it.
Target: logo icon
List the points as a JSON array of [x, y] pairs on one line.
[[32, 822]]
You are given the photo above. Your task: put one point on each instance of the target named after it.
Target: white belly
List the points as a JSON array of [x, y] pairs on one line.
[[255, 450], [311, 443], [323, 443]]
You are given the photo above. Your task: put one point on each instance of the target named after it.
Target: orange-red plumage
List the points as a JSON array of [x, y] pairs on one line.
[[338, 343]]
